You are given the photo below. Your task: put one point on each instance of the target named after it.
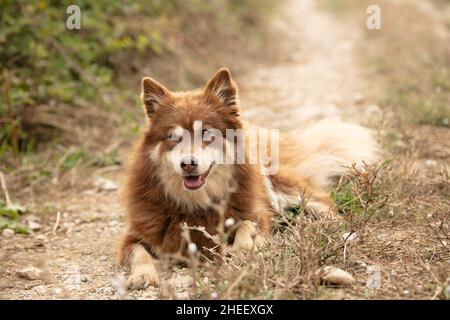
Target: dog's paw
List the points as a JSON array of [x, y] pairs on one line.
[[142, 279], [247, 243], [242, 244]]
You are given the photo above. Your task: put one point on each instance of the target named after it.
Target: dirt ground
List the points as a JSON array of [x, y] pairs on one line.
[[314, 75]]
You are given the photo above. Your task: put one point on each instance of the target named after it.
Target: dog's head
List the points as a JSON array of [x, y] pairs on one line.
[[186, 136]]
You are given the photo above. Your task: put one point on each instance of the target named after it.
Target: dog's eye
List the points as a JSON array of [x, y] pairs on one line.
[[174, 138], [208, 135]]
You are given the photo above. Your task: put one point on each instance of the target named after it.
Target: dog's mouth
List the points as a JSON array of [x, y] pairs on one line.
[[194, 182]]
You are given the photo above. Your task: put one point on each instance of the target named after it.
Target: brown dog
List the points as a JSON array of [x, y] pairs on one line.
[[168, 186]]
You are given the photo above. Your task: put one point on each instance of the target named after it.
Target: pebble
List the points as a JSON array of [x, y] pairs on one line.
[[8, 233], [181, 281], [34, 226], [40, 290], [431, 163], [103, 184], [29, 273], [109, 291], [103, 258], [335, 276], [349, 236], [39, 240], [358, 98], [445, 122], [86, 278], [57, 290], [373, 111], [447, 292]]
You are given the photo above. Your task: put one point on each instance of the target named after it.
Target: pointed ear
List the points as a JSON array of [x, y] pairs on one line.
[[152, 94], [223, 88]]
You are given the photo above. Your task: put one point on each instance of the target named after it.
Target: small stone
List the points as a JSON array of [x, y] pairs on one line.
[[103, 184], [85, 278], [32, 217], [40, 290], [57, 290], [335, 276], [34, 226], [349, 236], [103, 258], [8, 233], [39, 240], [181, 281], [373, 111], [447, 292], [358, 98], [109, 291], [29, 273], [113, 223], [431, 163]]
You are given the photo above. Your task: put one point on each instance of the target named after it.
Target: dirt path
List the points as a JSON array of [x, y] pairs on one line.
[[314, 76]]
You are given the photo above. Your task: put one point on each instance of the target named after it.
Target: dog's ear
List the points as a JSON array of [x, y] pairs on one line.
[[222, 87], [152, 94]]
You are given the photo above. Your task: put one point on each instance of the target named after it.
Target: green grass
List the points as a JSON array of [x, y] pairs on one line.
[[346, 200], [43, 63], [9, 216], [73, 159]]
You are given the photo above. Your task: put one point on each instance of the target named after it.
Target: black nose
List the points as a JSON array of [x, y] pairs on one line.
[[188, 163]]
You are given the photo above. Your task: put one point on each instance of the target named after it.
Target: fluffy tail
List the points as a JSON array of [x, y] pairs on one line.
[[328, 146]]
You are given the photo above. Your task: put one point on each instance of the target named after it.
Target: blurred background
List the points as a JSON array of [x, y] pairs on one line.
[[65, 87]]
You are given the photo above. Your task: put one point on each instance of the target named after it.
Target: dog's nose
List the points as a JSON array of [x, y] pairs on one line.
[[188, 163]]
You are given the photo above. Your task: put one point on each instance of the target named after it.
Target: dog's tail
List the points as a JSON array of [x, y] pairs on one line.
[[328, 147]]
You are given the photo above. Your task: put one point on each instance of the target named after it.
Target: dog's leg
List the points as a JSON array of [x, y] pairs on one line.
[[143, 271], [247, 237]]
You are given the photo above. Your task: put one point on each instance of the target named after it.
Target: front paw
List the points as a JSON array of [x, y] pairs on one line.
[[242, 244], [142, 278]]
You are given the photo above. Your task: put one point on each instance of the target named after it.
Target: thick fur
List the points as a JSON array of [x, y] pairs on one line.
[[158, 204]]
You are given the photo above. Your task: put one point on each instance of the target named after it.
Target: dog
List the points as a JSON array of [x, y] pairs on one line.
[[169, 186]]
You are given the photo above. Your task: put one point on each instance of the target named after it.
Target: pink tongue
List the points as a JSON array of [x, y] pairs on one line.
[[193, 181]]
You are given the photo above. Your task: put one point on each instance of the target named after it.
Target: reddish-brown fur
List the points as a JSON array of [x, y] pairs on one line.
[[158, 205], [154, 220]]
